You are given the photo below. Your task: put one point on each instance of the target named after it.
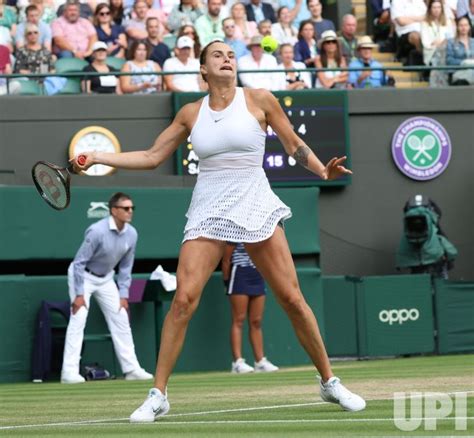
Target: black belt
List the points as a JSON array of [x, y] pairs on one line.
[[94, 274]]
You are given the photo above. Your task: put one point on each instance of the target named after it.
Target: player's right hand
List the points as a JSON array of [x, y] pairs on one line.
[[78, 302], [82, 162]]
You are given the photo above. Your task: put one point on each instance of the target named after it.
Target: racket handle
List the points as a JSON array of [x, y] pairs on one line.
[[81, 159]]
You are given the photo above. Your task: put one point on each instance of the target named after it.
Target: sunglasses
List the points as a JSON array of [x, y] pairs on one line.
[[132, 208], [104, 14], [330, 42]]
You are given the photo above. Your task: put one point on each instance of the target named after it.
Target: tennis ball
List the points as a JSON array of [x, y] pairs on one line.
[[269, 44]]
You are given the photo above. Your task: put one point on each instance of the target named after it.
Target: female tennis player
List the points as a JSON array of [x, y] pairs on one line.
[[232, 202]]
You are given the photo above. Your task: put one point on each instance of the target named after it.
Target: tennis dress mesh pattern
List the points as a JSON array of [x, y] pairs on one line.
[[232, 199]]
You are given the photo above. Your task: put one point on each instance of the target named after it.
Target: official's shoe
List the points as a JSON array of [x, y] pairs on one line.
[[139, 374], [155, 406], [240, 367], [72, 378], [333, 391], [264, 366]]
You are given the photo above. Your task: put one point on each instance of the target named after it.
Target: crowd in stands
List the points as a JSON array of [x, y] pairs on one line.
[[149, 36]]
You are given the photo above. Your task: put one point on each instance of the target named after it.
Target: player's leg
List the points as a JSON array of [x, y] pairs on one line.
[[273, 260], [75, 333]]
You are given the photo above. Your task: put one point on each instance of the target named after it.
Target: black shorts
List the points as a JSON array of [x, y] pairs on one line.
[[245, 281]]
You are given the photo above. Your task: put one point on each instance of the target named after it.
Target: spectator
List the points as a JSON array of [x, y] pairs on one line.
[[238, 46], [244, 29], [158, 13], [33, 17], [187, 12], [73, 36], [208, 26], [85, 10], [113, 35], [298, 10], [284, 31], [265, 27], [469, 13], [306, 49], [46, 12], [434, 31], [382, 20], [258, 60], [13, 87], [190, 31], [460, 51], [408, 16], [136, 27], [366, 78], [330, 56], [183, 62], [462, 8], [117, 12], [348, 38], [258, 11], [6, 38], [158, 51], [33, 57], [292, 80], [8, 17], [321, 24], [107, 84], [145, 83]]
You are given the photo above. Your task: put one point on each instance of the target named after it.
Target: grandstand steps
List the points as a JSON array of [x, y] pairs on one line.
[[360, 11]]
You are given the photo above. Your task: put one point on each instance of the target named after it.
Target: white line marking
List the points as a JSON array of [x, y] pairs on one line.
[[112, 421]]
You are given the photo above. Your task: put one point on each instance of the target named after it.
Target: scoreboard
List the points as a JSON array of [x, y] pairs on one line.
[[320, 118]]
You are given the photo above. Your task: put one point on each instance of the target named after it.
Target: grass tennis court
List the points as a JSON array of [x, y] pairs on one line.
[[281, 404]]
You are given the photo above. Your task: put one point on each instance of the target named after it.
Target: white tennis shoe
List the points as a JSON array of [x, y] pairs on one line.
[[139, 374], [156, 405], [265, 366], [72, 378], [333, 391], [240, 367]]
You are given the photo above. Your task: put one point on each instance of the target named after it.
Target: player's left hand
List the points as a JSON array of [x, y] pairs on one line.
[[334, 169]]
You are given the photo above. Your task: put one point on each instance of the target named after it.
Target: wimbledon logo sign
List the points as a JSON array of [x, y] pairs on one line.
[[421, 148]]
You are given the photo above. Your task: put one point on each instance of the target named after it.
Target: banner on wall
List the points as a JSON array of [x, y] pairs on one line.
[[421, 148]]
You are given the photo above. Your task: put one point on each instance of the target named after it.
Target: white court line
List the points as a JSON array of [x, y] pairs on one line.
[[112, 421]]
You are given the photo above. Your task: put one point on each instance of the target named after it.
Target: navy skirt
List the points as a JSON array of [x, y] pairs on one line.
[[246, 281]]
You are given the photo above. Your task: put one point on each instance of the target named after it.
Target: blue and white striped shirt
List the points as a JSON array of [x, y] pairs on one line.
[[103, 248], [240, 257]]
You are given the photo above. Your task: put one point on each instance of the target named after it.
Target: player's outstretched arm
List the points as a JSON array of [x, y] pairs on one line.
[[294, 145], [164, 146]]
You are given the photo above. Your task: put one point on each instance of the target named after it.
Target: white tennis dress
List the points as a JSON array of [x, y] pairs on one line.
[[232, 199]]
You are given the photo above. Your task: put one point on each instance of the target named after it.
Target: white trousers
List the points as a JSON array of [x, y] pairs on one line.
[[107, 296]]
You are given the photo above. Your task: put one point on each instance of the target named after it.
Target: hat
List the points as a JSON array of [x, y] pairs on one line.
[[99, 45], [365, 42], [328, 35], [255, 41], [184, 41]]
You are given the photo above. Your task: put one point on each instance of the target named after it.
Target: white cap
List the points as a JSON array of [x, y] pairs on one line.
[[99, 45], [184, 41]]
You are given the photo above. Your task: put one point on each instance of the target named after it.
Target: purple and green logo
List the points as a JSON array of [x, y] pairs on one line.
[[421, 148]]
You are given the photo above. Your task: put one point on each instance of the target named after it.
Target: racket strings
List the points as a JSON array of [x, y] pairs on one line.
[[51, 185]]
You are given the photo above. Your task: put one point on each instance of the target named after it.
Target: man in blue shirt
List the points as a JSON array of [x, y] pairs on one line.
[[366, 78], [108, 243], [238, 46], [321, 24]]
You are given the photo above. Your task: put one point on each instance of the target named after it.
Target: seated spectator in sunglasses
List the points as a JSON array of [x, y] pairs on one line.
[[238, 46], [330, 56], [159, 52], [73, 36], [106, 84], [113, 35], [366, 78], [33, 17], [33, 57], [147, 82]]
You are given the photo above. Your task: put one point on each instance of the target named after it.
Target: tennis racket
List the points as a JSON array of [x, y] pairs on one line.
[[53, 182]]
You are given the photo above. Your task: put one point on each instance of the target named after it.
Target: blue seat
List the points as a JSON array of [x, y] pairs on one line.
[[30, 88], [70, 65], [114, 62]]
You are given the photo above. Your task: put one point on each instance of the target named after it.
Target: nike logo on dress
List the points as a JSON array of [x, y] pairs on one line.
[[218, 120]]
